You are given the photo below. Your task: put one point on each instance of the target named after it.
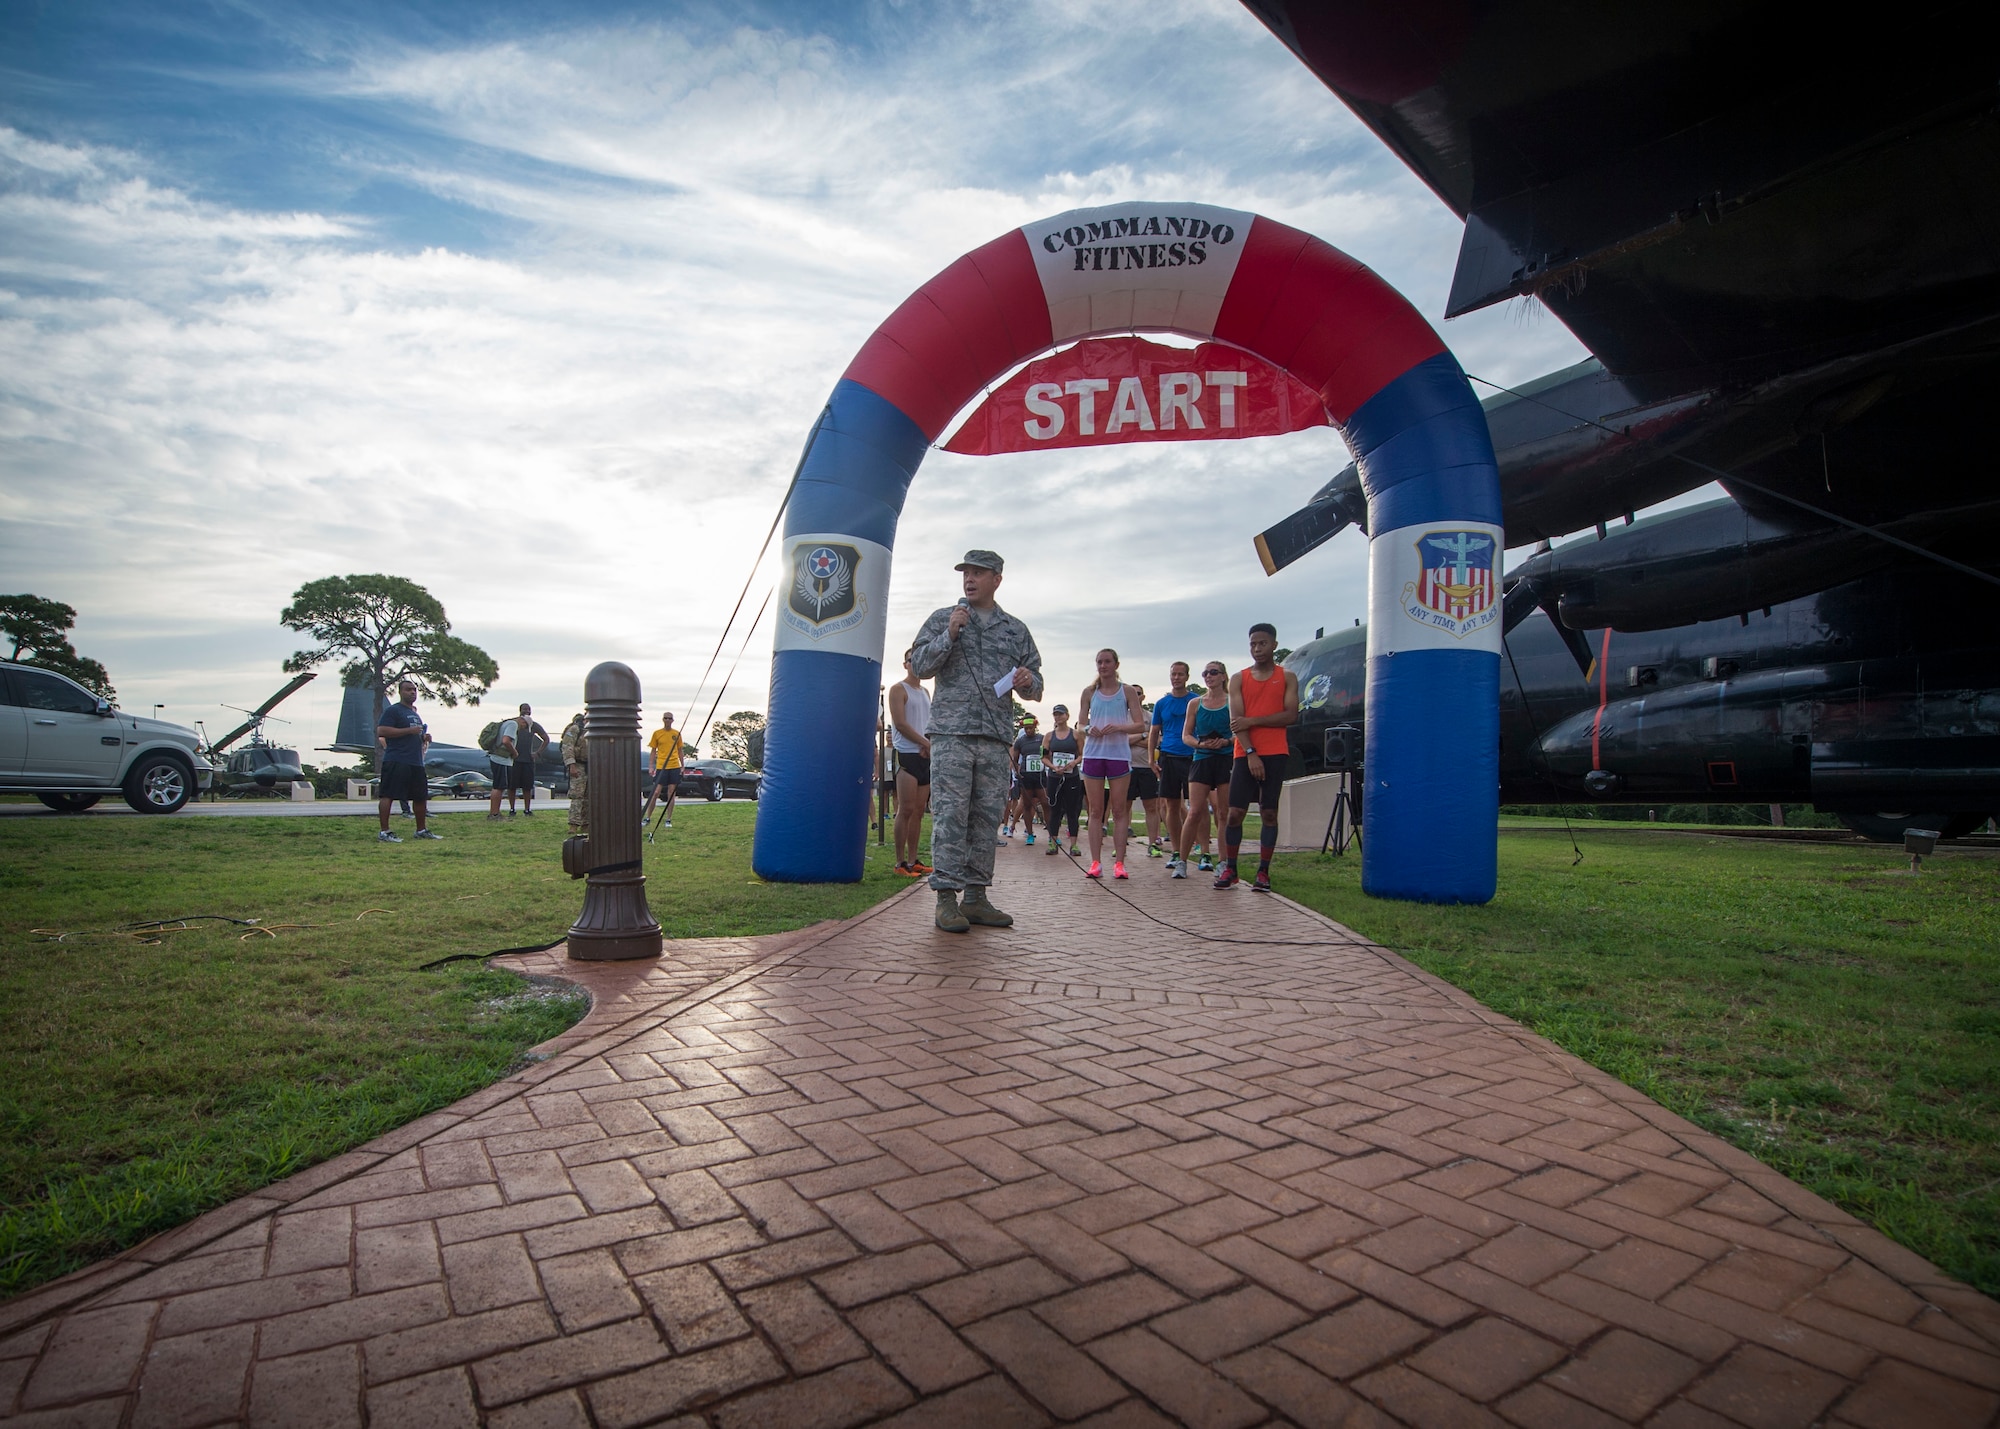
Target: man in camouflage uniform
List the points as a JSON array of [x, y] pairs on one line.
[[576, 760], [970, 648]]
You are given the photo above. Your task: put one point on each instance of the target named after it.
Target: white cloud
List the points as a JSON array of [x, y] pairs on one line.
[[576, 435]]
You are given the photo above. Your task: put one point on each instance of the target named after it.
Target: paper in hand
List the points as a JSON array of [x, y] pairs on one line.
[[1003, 685]]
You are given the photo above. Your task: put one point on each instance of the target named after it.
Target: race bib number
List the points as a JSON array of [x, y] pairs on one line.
[[1033, 764], [1061, 761]]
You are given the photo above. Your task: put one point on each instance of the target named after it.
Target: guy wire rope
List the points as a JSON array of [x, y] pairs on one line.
[[755, 565]]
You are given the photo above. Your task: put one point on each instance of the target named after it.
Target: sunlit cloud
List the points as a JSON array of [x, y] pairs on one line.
[[565, 383]]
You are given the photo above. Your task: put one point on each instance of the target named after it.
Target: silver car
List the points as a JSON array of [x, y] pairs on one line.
[[63, 744]]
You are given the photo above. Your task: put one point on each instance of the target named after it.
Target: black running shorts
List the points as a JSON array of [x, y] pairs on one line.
[[917, 766], [1145, 784], [524, 776], [1211, 768], [667, 779], [1245, 790], [1174, 770], [403, 781]]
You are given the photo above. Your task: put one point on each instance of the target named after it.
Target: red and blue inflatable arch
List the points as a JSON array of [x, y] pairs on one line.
[[1388, 382]]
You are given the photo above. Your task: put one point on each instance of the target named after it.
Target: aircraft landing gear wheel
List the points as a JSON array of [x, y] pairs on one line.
[[159, 784], [69, 803], [1888, 828]]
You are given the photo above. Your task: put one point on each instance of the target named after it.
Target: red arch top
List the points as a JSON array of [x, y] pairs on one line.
[[1295, 301]]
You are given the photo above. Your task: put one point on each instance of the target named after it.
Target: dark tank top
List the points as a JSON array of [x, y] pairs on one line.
[[1055, 744]]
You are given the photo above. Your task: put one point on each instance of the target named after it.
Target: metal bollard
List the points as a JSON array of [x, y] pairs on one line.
[[615, 922]]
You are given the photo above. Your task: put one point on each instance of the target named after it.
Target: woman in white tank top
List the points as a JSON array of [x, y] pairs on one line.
[[909, 732], [1111, 716]]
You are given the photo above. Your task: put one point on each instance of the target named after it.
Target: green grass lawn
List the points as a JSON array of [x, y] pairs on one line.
[[149, 1082], [1816, 1005]]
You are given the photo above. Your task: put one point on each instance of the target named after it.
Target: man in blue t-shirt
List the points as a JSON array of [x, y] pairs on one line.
[[1170, 748], [401, 736]]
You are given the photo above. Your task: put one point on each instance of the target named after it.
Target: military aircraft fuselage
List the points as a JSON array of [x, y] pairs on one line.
[[1878, 695]]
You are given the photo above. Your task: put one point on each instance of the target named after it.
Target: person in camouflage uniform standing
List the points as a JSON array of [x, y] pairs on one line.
[[971, 648], [576, 760]]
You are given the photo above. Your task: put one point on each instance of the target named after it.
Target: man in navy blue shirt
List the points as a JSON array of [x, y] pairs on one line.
[[401, 736]]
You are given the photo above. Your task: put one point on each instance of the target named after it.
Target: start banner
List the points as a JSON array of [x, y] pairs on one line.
[[1108, 390]]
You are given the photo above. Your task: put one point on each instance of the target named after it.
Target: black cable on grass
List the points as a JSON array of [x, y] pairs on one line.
[[496, 953], [1209, 938]]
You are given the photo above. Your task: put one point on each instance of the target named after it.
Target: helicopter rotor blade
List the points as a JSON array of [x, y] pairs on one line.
[[257, 715]]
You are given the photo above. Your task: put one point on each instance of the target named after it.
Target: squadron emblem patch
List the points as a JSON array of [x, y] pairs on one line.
[[1456, 590], [825, 597]]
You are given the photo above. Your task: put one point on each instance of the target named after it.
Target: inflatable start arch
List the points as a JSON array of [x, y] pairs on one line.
[[1387, 381]]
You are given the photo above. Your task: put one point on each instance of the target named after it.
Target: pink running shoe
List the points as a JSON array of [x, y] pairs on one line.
[[1118, 869], [1096, 870]]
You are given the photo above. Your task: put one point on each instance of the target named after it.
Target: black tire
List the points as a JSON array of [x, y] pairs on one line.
[[1889, 828], [159, 784], [715, 792], [69, 803]]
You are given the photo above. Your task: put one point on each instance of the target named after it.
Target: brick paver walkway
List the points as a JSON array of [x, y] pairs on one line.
[[1089, 1169]]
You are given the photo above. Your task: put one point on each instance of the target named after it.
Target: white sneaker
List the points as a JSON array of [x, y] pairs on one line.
[[385, 837], [430, 834]]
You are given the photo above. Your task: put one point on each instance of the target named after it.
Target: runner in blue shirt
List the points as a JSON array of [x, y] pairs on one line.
[[1171, 751]]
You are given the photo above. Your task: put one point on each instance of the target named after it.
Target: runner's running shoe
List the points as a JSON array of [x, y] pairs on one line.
[[1227, 878], [1054, 848], [1118, 869], [1207, 864], [1096, 870], [1261, 884], [1179, 871], [1153, 851], [919, 866]]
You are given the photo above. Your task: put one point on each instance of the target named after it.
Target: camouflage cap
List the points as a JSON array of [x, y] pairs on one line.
[[986, 560]]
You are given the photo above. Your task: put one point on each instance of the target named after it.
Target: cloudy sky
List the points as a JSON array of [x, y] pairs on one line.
[[535, 304]]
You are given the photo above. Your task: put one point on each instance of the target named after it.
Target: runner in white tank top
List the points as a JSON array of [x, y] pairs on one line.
[[909, 726], [1114, 717]]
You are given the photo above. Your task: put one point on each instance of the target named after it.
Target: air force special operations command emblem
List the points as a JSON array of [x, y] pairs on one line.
[[1455, 591], [825, 598]]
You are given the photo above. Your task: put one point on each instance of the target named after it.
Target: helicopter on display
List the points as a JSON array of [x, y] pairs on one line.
[[260, 767], [1780, 249]]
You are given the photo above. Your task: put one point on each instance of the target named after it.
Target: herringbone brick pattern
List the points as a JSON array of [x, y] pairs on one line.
[[1089, 1169]]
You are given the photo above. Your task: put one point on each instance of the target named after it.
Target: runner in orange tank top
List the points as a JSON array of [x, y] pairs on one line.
[[1263, 701]]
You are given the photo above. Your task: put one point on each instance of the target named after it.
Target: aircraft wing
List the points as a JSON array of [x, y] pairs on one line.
[[1779, 237]]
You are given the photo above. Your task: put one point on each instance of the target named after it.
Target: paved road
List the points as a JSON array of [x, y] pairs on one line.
[[1091, 1169], [262, 809]]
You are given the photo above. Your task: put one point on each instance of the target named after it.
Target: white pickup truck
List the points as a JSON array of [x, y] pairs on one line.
[[67, 747]]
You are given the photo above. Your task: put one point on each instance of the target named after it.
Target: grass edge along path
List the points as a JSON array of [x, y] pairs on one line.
[[153, 1080], [1816, 1006]]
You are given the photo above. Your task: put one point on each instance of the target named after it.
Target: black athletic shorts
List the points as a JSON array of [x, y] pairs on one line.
[[524, 776], [1245, 790], [1145, 784], [1174, 770], [403, 781], [1211, 768], [502, 775], [917, 766], [1028, 781], [665, 779]]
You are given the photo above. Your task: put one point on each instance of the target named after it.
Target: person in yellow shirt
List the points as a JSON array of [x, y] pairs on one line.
[[666, 748]]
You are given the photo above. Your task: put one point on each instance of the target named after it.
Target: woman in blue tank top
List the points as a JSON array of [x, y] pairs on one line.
[[1207, 735]]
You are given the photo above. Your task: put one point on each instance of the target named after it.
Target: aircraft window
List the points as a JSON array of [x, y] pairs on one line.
[[46, 692]]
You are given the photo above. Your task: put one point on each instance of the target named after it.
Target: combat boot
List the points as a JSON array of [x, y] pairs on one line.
[[950, 919], [978, 910]]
